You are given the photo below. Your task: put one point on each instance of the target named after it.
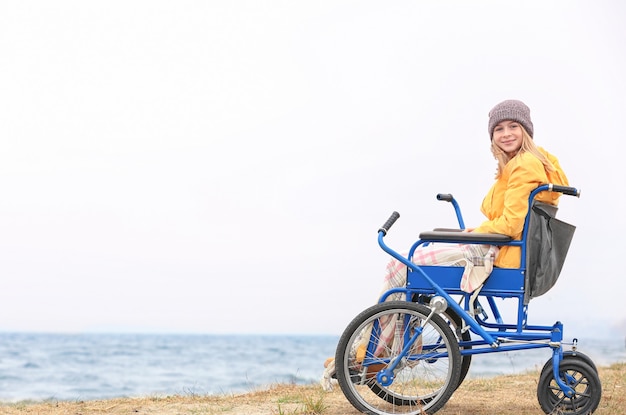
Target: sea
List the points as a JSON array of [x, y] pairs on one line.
[[70, 367]]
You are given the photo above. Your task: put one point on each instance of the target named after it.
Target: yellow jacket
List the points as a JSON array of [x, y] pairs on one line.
[[506, 203]]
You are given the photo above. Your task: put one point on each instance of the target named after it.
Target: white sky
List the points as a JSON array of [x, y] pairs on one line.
[[223, 166]]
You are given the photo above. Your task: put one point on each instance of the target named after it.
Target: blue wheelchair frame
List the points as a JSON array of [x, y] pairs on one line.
[[444, 281]]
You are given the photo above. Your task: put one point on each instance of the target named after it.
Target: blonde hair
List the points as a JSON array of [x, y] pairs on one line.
[[528, 145]]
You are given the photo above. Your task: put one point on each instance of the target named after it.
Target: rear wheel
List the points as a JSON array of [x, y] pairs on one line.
[[426, 374], [578, 375]]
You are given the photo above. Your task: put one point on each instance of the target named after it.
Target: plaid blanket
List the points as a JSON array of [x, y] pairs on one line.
[[477, 261]]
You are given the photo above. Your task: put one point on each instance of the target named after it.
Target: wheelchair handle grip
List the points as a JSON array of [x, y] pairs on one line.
[[571, 191], [392, 219], [446, 197]]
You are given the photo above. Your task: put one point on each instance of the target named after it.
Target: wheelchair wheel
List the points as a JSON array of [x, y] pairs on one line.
[[425, 376], [578, 375], [390, 396], [456, 323]]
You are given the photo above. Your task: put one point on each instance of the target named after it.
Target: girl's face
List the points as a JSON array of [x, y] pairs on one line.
[[508, 137]]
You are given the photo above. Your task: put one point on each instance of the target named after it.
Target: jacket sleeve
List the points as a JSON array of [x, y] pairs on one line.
[[526, 174]]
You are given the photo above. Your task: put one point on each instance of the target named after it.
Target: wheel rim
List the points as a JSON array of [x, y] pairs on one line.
[[579, 383]]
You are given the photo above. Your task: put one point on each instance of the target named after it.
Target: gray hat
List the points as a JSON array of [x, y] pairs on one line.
[[513, 110]]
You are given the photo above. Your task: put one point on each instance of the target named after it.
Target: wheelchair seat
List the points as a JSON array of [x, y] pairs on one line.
[[544, 244]]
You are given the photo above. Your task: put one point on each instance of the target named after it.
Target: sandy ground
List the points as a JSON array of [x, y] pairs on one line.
[[503, 395]]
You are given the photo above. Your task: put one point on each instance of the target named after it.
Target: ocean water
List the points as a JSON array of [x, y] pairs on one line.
[[99, 366]]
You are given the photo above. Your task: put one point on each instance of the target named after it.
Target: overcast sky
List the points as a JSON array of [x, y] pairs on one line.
[[223, 166]]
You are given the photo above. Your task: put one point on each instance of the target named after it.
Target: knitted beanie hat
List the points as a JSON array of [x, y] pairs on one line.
[[512, 110]]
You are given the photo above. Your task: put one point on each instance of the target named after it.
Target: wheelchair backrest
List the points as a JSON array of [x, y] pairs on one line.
[[547, 241]]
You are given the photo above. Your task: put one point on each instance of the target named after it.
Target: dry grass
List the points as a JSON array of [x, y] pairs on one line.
[[514, 394]]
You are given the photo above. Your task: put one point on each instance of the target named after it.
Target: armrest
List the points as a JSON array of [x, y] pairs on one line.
[[468, 237]]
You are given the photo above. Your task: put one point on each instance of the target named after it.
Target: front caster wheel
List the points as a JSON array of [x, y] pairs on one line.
[[578, 375]]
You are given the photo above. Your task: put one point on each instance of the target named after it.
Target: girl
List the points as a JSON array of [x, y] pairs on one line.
[[522, 166]]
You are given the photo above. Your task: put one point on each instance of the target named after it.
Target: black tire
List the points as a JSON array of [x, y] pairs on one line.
[[578, 375], [424, 379], [570, 354]]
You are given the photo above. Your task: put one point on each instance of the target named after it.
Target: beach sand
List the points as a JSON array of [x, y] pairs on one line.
[[513, 394]]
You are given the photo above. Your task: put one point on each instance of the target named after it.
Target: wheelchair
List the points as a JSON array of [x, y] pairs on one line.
[[409, 356]]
